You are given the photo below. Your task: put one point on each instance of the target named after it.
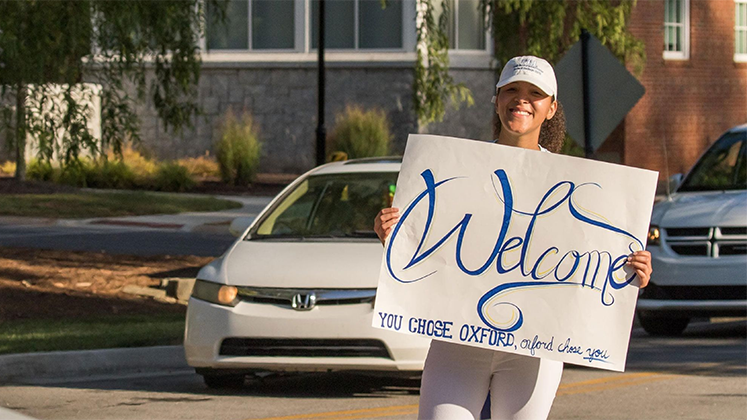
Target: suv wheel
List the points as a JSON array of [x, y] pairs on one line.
[[218, 381], [667, 326]]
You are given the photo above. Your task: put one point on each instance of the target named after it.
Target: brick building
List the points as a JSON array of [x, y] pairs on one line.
[[694, 91]]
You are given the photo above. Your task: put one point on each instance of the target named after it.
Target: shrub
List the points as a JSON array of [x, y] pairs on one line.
[[78, 174], [361, 133], [8, 168], [40, 170], [142, 167], [171, 176], [201, 167], [112, 174], [238, 149]]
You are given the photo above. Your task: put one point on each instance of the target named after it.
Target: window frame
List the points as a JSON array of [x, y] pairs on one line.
[[739, 57], [356, 32], [304, 56], [486, 35], [684, 52], [297, 15]]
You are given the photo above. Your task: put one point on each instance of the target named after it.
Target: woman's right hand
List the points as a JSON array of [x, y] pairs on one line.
[[385, 221]]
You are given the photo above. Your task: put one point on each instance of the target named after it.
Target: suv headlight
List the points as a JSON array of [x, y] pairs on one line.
[[215, 293], [654, 234]]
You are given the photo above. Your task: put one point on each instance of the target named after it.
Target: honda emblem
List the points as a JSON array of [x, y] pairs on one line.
[[303, 301]]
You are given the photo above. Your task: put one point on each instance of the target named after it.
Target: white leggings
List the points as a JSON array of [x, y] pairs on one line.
[[456, 380]]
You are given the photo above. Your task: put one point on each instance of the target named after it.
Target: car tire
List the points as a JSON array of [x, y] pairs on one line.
[[217, 381], [664, 326]]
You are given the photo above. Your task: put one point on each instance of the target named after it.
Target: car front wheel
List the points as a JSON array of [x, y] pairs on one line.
[[666, 326]]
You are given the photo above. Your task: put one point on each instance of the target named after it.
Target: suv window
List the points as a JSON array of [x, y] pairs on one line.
[[324, 206], [722, 167]]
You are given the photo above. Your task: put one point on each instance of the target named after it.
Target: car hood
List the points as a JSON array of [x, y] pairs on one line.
[[706, 209], [267, 263]]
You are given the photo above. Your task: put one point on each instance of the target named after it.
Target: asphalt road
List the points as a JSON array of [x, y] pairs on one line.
[[201, 234], [701, 375], [116, 240]]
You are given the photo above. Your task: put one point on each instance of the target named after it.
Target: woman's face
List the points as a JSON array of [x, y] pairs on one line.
[[523, 107]]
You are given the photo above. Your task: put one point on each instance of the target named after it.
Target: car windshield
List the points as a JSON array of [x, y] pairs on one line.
[[722, 167], [329, 206]]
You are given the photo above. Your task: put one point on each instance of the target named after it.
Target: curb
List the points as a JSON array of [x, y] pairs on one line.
[[32, 368]]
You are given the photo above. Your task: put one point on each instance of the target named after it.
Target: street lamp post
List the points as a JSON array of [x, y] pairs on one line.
[[321, 132]]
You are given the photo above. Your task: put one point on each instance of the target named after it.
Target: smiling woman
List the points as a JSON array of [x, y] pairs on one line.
[[456, 378]]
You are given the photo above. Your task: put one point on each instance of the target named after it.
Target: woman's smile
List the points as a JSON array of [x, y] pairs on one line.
[[523, 107]]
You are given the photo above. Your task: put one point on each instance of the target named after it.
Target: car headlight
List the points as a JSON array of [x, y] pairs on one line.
[[654, 234], [215, 293]]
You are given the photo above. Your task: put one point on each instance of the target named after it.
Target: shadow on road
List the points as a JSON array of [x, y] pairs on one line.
[[320, 385], [714, 349]]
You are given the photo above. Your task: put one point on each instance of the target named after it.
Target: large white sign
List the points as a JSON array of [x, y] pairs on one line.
[[515, 250]]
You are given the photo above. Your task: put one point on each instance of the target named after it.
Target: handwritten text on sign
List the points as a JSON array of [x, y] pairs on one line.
[[515, 250]]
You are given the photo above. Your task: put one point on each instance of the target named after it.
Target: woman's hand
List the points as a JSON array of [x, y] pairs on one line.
[[640, 261], [384, 222]]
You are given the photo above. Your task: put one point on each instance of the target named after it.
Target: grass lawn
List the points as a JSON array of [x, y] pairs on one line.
[[99, 333], [107, 204]]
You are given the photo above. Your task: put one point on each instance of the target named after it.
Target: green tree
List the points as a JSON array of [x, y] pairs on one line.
[[125, 51], [545, 28]]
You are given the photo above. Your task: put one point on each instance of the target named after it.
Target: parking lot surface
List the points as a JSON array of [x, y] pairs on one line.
[[701, 375]]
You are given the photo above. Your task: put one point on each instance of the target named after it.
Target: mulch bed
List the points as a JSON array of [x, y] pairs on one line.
[[8, 185], [51, 284]]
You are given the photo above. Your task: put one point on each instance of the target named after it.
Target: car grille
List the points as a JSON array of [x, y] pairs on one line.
[[707, 241], [284, 297], [653, 291], [291, 347]]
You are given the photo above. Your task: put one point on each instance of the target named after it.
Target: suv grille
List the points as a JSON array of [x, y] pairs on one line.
[[653, 291], [707, 241], [292, 347]]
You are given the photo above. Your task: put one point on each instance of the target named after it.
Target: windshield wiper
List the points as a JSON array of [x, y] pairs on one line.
[[361, 234], [353, 234], [285, 236]]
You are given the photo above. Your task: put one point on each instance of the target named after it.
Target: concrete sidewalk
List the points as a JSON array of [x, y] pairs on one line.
[[59, 366]]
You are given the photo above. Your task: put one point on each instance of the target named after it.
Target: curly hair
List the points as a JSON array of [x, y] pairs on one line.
[[552, 131]]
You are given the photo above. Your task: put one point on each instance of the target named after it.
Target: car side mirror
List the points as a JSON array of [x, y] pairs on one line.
[[675, 181], [239, 225]]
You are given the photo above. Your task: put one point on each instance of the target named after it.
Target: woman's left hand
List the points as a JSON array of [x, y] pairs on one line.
[[640, 261]]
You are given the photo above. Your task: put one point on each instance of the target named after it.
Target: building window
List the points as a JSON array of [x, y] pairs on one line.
[[466, 29], [676, 29], [272, 26], [740, 31], [358, 24]]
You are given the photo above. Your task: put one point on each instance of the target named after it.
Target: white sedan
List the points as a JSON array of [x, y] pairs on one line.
[[698, 242], [295, 292]]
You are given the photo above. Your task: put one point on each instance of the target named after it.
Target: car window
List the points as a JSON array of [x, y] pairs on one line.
[[722, 167], [323, 206]]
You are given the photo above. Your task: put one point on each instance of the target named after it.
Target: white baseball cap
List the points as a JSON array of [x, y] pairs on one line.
[[530, 69]]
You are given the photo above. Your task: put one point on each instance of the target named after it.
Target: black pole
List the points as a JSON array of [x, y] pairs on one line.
[[321, 132], [588, 149]]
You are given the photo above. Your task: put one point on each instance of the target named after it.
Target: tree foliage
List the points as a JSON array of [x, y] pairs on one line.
[[433, 84], [56, 55], [545, 28]]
